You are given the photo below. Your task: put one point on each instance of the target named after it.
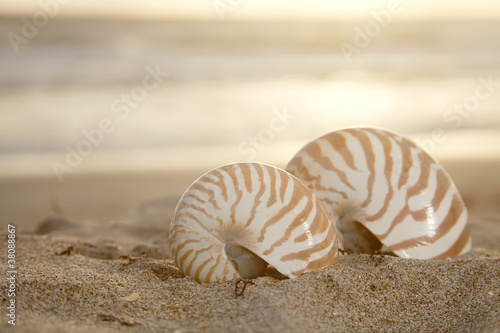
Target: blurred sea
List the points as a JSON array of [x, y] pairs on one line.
[[228, 80]]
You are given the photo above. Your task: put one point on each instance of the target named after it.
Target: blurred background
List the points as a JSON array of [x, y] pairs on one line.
[[105, 105]]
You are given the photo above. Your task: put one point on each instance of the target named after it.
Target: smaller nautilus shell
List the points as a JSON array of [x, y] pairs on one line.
[[383, 192], [236, 220]]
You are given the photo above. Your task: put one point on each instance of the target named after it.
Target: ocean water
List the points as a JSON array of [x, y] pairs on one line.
[[131, 86]]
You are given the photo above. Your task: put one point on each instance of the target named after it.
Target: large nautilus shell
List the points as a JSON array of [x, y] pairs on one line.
[[383, 191], [235, 220]]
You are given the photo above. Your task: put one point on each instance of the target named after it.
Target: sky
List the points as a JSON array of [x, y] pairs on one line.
[[257, 9]]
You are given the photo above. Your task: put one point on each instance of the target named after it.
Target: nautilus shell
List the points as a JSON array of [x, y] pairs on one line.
[[383, 191], [235, 220]]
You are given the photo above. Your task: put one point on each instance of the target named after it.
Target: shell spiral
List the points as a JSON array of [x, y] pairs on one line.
[[381, 189], [235, 220]]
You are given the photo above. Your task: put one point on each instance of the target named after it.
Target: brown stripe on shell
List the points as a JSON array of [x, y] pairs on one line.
[[442, 187], [204, 212], [423, 180], [182, 245], [297, 222], [451, 219], [218, 261], [262, 190], [232, 173], [329, 259], [239, 196], [185, 204], [458, 247], [367, 147], [219, 183], [184, 257], [316, 154], [189, 215], [278, 216], [457, 208], [284, 187], [339, 145], [417, 216], [330, 201], [194, 197], [389, 163], [246, 173], [209, 192], [273, 180], [196, 253], [314, 181], [406, 147], [305, 255], [225, 272], [320, 226], [420, 215], [198, 270]]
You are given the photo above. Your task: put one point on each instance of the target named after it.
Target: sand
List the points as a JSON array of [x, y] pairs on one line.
[[77, 275]]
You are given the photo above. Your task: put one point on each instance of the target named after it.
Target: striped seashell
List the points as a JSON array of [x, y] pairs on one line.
[[235, 220], [382, 190]]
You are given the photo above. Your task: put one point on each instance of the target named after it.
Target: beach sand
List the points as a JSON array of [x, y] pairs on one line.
[[110, 275]]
